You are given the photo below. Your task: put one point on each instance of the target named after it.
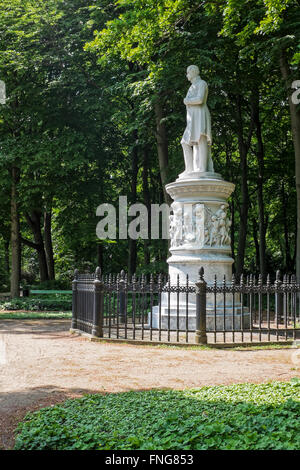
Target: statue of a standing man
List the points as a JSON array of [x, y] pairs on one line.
[[197, 139]]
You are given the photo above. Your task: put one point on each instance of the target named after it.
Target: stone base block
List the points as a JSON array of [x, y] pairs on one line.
[[234, 318]]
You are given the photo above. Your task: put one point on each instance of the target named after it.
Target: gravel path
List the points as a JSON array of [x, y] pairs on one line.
[[42, 364]]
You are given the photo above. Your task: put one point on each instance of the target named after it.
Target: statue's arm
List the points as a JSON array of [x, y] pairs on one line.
[[199, 96]]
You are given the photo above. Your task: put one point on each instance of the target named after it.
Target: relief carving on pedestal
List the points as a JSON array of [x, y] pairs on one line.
[[176, 226], [188, 228], [197, 225], [217, 227]]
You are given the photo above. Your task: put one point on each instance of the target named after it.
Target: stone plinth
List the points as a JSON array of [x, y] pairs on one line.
[[200, 228], [200, 237], [233, 318]]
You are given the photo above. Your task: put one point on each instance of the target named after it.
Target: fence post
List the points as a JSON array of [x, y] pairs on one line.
[[200, 334], [278, 299], [122, 283], [97, 329], [74, 300]]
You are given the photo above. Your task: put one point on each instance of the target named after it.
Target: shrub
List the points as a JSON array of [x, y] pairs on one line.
[[57, 284], [39, 303]]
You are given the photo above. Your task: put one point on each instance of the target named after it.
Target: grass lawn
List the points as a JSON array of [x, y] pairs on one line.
[[50, 306], [245, 416], [4, 315]]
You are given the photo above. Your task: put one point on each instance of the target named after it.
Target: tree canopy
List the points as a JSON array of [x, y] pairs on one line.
[[94, 111]]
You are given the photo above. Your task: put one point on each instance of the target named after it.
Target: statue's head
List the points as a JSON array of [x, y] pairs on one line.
[[192, 72]]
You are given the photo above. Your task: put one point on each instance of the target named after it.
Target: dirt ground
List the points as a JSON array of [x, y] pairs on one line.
[[41, 364]]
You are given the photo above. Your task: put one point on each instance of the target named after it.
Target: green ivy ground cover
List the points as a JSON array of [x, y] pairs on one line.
[[245, 416]]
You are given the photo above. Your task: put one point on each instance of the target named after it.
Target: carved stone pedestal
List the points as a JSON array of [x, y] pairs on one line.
[[233, 317], [200, 228], [200, 236]]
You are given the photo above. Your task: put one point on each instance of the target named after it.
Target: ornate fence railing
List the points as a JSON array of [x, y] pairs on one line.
[[156, 310]]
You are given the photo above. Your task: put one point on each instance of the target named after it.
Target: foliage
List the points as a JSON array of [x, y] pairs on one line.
[[58, 284], [57, 302], [83, 79], [243, 416]]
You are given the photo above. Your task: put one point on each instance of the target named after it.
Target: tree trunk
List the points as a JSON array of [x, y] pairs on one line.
[[132, 244], [147, 202], [100, 256], [289, 264], [228, 174], [232, 228], [6, 256], [48, 244], [261, 209], [244, 208], [295, 125], [244, 205], [34, 221], [15, 236], [257, 248], [162, 148]]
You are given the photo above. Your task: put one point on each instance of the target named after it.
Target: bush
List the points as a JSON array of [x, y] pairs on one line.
[[246, 416], [61, 302], [53, 285]]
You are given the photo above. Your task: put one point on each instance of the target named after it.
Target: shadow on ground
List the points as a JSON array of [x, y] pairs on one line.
[[15, 405], [37, 327]]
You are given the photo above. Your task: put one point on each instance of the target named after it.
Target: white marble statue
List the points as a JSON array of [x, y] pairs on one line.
[[222, 217], [218, 227], [199, 219], [172, 230], [197, 139], [176, 227]]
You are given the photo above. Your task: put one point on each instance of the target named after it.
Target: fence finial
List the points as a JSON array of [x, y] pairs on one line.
[[76, 272], [278, 275], [260, 280], [201, 273], [98, 273]]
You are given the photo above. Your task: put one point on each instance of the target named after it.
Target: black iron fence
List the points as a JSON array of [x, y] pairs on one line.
[[156, 309]]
